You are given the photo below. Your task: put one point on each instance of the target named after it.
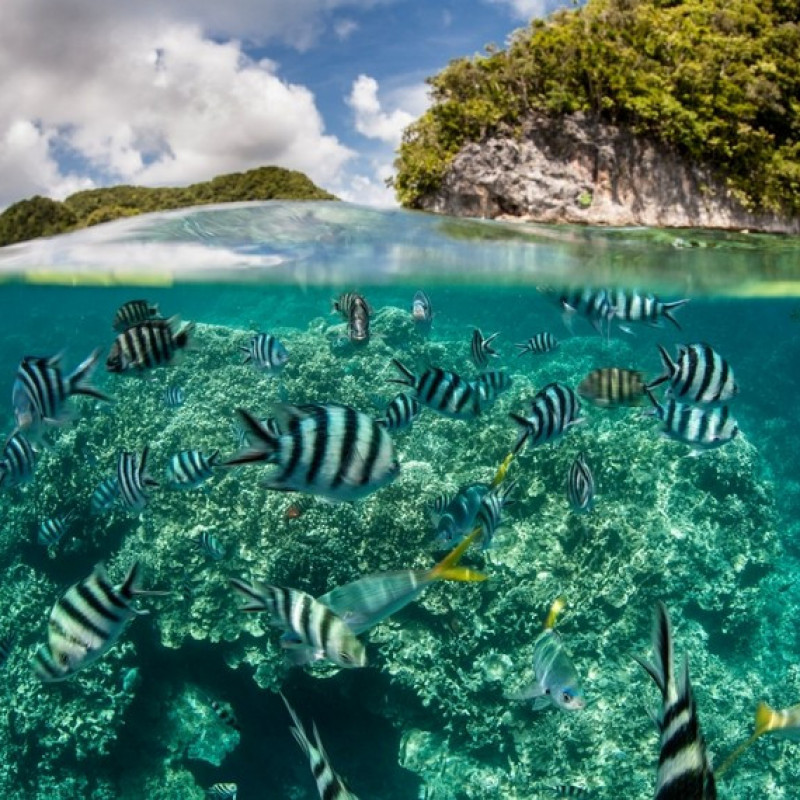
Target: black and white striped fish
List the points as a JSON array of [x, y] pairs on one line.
[[580, 485], [328, 450], [104, 496], [133, 312], [17, 462], [52, 529], [490, 385], [698, 375], [684, 768], [630, 305], [346, 301], [209, 544], [554, 410], [189, 469], [85, 623], [313, 631], [133, 479], [266, 352], [174, 397], [592, 304], [225, 714], [6, 646], [329, 785], [222, 791], [565, 790], [400, 413], [543, 342], [41, 391], [445, 392], [455, 515], [481, 349], [609, 387], [149, 344], [490, 512], [702, 427]]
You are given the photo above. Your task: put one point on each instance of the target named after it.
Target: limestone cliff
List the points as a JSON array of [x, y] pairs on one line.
[[571, 169]]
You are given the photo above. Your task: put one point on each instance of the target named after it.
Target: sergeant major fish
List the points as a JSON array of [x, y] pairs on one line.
[[6, 646], [703, 428], [133, 479], [209, 544], [456, 516], [52, 529], [490, 512], [543, 342], [554, 410], [699, 375], [481, 349], [173, 397], [104, 496], [222, 791], [149, 344], [266, 352], [444, 392], [592, 304], [684, 769], [189, 469], [133, 312], [630, 305], [580, 485], [17, 461], [400, 413], [328, 450], [490, 385]]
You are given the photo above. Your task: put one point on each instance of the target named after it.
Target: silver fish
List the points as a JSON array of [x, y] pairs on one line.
[[554, 410], [698, 375], [266, 352], [701, 427], [580, 485], [422, 311]]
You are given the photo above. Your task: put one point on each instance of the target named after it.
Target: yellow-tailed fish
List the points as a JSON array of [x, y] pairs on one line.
[[502, 470]]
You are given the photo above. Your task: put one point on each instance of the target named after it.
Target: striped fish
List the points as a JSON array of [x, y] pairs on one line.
[[481, 349], [329, 450], [684, 769], [6, 646], [346, 301], [698, 375], [444, 392], [580, 485], [358, 322], [543, 342], [149, 344], [104, 496], [174, 397], [329, 785], [17, 461], [52, 529], [209, 544], [609, 387], [85, 623], [313, 631], [189, 469], [243, 437], [565, 790], [490, 512], [225, 714], [702, 427], [400, 412], [133, 480], [41, 391], [457, 517], [222, 791], [592, 304], [490, 385], [554, 410], [133, 312], [634, 306], [266, 352]]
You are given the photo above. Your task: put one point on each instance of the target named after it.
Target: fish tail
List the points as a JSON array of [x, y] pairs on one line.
[[673, 306], [767, 719], [526, 431], [264, 448], [297, 729], [502, 470], [213, 458], [448, 570], [79, 379], [182, 336], [147, 480], [559, 604], [258, 602], [408, 378], [660, 670]]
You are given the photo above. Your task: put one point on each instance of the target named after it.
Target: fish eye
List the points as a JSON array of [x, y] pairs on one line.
[[566, 697]]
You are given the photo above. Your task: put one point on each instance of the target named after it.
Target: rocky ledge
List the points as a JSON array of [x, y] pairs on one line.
[[572, 169]]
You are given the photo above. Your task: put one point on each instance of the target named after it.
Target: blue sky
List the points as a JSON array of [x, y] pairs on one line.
[[168, 92]]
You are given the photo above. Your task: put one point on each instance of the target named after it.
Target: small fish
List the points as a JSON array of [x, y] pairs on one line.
[[489, 516], [422, 311], [86, 622], [6, 646], [556, 680], [543, 342], [174, 397], [364, 603], [328, 450], [17, 462], [313, 631], [133, 480], [490, 385], [358, 322], [684, 769], [149, 344], [329, 785], [592, 304], [104, 496], [266, 352], [609, 387], [580, 486], [222, 791], [458, 517], [635, 306], [225, 714], [704, 428], [189, 469], [208, 544], [444, 392], [133, 312], [564, 790], [52, 529], [299, 507], [481, 349], [400, 412], [699, 375], [555, 409], [41, 391]]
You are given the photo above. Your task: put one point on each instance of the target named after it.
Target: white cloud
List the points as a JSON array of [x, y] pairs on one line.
[[344, 28], [528, 9], [370, 118]]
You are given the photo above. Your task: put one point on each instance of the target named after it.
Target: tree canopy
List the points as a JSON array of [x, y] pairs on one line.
[[718, 80]]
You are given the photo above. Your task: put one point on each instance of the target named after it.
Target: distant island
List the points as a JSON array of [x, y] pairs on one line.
[[41, 216], [654, 112]]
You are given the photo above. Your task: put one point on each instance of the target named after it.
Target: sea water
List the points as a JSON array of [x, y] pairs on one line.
[[714, 536]]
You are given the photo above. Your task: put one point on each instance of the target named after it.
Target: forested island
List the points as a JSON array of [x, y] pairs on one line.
[[674, 112], [41, 216]]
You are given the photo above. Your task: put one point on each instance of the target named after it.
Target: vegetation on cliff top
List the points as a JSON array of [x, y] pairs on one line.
[[40, 216], [719, 80]]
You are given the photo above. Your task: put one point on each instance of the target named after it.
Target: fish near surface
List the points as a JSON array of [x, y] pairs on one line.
[[422, 311], [154, 343]]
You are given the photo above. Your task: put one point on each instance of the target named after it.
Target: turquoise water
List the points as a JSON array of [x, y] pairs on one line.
[[714, 537]]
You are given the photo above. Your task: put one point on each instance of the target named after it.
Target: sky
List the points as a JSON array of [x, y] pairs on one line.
[[171, 92]]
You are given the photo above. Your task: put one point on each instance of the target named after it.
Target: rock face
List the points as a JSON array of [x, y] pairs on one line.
[[572, 169]]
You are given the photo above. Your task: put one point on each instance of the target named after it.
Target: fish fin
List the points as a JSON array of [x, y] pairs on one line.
[[660, 670], [258, 601], [530, 692], [767, 719], [79, 379], [450, 561], [408, 378], [559, 604], [526, 431], [264, 448], [297, 729], [213, 458], [673, 306], [541, 702]]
